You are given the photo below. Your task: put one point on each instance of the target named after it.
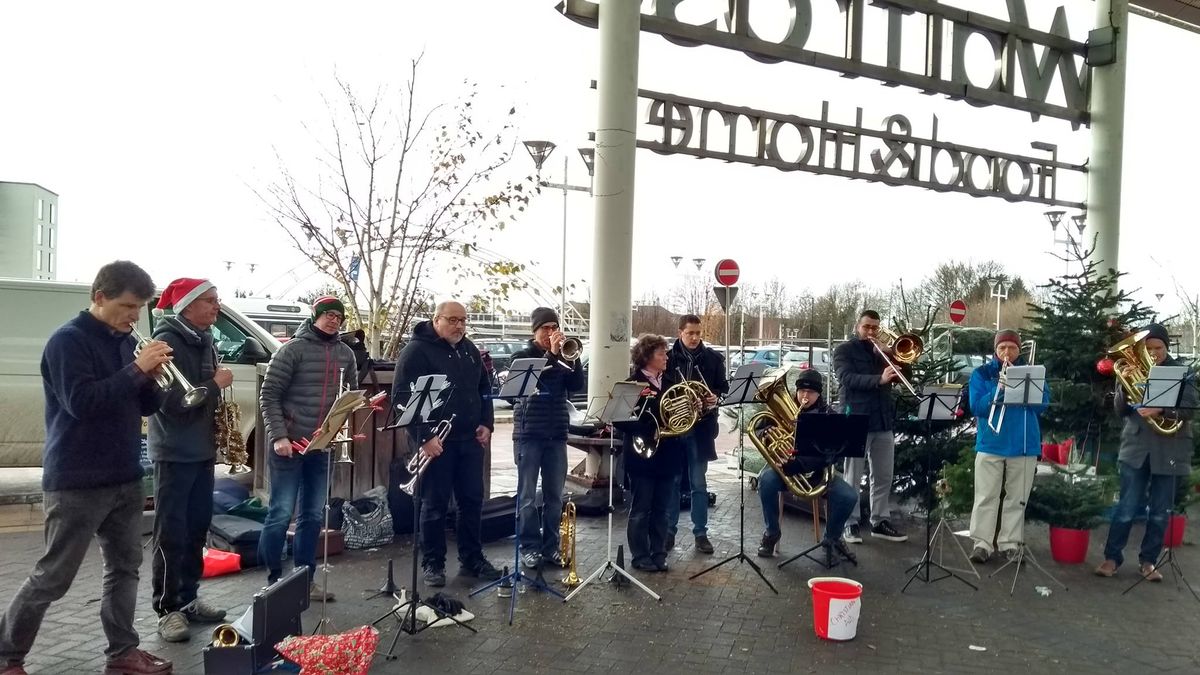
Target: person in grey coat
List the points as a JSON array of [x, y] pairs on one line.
[[303, 380], [1148, 461]]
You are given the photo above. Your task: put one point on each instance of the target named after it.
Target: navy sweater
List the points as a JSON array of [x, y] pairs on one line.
[[95, 401]]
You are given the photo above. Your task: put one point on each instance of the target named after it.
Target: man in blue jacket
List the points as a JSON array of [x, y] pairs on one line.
[[98, 387], [1004, 459], [540, 440]]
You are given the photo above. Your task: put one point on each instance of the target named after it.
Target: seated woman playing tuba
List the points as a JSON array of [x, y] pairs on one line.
[[771, 484]]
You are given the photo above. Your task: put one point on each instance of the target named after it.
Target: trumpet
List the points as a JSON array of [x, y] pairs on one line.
[[226, 635], [905, 348], [420, 461], [568, 353], [566, 545], [169, 375]]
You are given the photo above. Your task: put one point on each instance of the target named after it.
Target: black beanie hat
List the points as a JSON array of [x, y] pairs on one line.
[[543, 315], [810, 379], [1158, 331]]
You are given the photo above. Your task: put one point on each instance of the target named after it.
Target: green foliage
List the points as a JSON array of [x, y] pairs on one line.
[[1065, 500], [957, 491]]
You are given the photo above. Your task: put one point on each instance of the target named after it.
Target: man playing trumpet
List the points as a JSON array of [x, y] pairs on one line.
[[540, 440]]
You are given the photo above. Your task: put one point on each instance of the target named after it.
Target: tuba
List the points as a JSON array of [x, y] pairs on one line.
[[773, 433], [1131, 363], [566, 545], [678, 411]]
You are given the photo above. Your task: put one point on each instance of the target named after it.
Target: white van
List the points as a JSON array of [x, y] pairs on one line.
[[280, 318], [35, 309]]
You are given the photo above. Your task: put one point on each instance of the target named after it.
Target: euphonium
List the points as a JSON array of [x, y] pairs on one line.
[[773, 433], [169, 376], [566, 545], [420, 462], [678, 410], [225, 635], [1131, 366]]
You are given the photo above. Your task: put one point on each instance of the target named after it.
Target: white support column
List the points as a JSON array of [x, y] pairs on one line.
[[1108, 121], [616, 142]]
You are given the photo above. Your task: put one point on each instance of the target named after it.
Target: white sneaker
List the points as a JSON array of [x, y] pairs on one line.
[[173, 627]]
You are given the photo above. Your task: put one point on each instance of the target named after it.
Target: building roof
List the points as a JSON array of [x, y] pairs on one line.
[[17, 182], [1183, 14]]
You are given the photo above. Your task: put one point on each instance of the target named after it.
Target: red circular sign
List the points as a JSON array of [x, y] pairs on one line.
[[727, 272], [958, 311]]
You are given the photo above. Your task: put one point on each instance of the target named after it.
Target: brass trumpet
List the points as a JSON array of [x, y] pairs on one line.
[[571, 349], [169, 375], [420, 461], [566, 545], [225, 635]]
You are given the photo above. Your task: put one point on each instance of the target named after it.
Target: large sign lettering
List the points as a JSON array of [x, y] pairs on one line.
[[892, 154], [1019, 79]]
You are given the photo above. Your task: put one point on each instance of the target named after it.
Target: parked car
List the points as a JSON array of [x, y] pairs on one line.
[[577, 396], [804, 358]]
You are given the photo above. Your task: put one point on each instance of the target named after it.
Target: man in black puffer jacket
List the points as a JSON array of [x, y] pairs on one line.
[[540, 440], [182, 444], [440, 347]]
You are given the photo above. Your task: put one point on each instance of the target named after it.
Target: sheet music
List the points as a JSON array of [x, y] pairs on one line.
[[522, 378], [939, 403], [431, 391], [1018, 378], [1164, 386], [743, 386]]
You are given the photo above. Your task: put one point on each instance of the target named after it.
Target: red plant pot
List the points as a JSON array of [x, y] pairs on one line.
[[1050, 452], [1173, 535], [1068, 546]]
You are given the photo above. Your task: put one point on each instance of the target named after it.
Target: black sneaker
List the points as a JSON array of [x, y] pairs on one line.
[[884, 530], [852, 535], [435, 577], [831, 558], [844, 551], [480, 568], [703, 544], [767, 548], [980, 555]]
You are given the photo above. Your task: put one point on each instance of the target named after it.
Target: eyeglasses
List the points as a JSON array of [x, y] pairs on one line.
[[548, 326], [455, 320], [214, 300], [334, 315]]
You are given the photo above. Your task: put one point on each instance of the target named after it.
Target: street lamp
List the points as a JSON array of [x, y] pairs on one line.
[[999, 292], [539, 152], [676, 259], [1069, 242]]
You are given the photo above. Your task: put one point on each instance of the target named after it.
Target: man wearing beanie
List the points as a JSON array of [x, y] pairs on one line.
[[440, 347], [1005, 458], [303, 380], [691, 359], [842, 498], [182, 444], [540, 440], [1149, 463]]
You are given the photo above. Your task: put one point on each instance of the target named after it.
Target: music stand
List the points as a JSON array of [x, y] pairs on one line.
[[939, 405], [742, 389], [1166, 387], [426, 394], [522, 382], [620, 409], [828, 437]]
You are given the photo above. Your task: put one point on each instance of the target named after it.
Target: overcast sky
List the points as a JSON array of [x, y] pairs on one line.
[[154, 120]]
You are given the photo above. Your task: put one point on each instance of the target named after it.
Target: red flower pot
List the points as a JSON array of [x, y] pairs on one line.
[[1067, 546], [1050, 452], [1173, 535]]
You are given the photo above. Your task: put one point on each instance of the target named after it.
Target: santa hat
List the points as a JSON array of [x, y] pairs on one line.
[[179, 294]]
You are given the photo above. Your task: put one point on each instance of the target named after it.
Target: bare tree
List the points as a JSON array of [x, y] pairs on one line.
[[401, 189]]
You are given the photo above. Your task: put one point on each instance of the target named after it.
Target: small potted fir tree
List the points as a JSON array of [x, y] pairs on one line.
[[1072, 506]]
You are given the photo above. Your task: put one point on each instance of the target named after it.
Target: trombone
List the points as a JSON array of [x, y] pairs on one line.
[[169, 375], [905, 348], [420, 461], [997, 423]]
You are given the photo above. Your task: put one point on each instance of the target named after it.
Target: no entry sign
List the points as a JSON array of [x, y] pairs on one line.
[[958, 311], [727, 272]]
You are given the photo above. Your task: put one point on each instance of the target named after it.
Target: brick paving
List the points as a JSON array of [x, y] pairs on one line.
[[726, 621]]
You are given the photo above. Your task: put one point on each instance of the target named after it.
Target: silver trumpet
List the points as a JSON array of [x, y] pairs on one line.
[[420, 461], [169, 375]]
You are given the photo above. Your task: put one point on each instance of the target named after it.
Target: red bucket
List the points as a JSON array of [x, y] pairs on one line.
[[836, 605], [1173, 535], [1067, 546]]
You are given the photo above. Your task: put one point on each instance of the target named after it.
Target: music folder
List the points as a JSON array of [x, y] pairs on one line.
[[1025, 385], [1165, 386], [829, 436]]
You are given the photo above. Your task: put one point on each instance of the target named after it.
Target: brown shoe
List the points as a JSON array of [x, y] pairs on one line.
[[1107, 568], [1150, 572], [137, 662]]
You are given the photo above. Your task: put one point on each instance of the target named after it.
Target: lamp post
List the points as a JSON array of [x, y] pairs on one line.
[[540, 151], [687, 288], [1069, 243], [999, 292]]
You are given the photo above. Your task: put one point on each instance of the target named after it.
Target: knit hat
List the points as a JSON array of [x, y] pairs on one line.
[[326, 303], [179, 294], [809, 379], [1159, 332], [543, 315], [1007, 336]]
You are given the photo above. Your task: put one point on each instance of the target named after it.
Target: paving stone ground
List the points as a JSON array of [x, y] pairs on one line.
[[727, 621]]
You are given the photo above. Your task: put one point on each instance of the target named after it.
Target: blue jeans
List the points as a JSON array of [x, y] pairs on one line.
[[1134, 483], [697, 468], [548, 458], [301, 479], [842, 500]]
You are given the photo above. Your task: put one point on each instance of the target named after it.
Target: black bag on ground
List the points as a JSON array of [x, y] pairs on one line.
[[399, 502], [236, 535]]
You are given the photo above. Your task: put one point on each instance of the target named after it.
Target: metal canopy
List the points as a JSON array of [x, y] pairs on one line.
[[1183, 14]]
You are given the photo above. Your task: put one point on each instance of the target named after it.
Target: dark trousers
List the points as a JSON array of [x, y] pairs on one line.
[[647, 528], [182, 513], [458, 470], [113, 515]]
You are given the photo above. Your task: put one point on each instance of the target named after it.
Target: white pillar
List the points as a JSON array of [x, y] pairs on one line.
[[616, 141], [1108, 120]]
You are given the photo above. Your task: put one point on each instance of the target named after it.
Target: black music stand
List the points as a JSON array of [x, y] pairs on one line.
[[522, 382], [939, 406], [426, 394], [742, 389], [1167, 387], [621, 409], [828, 437]]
